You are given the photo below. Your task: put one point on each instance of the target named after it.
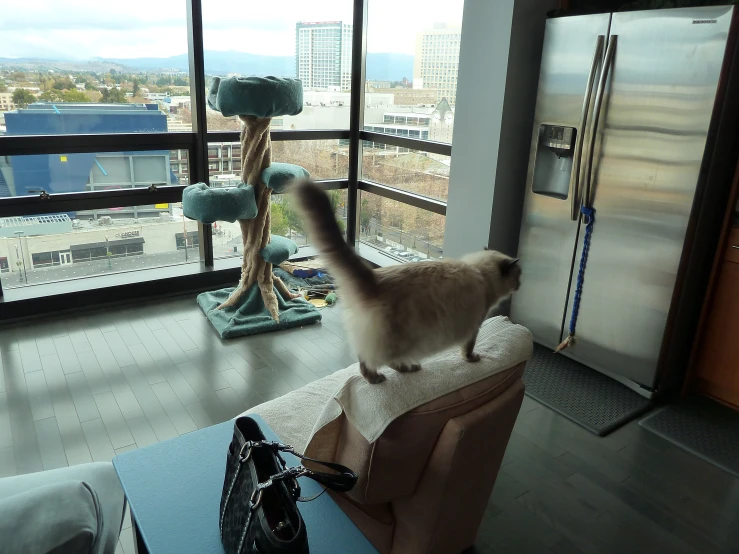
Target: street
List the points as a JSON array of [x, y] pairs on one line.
[[401, 237]]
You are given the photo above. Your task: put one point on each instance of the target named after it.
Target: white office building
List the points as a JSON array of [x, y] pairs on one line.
[[437, 61], [323, 54]]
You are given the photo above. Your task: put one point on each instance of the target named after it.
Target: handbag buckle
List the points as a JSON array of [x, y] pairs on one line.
[[290, 473], [256, 498], [274, 445], [247, 446], [279, 446]]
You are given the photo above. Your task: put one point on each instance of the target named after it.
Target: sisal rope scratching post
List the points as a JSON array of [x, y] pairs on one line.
[[256, 156]]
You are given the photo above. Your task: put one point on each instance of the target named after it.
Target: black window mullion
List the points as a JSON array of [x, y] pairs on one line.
[[356, 115], [288, 135], [199, 153], [15, 206], [405, 197], [422, 145], [76, 144]]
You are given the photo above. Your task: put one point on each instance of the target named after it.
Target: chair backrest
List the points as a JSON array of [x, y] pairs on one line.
[[445, 511], [391, 467]]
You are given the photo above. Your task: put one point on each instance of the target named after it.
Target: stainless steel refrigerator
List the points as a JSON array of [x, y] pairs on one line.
[[622, 121]]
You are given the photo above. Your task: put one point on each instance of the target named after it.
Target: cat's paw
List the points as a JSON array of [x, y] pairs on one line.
[[375, 379], [294, 295], [403, 368], [472, 357]]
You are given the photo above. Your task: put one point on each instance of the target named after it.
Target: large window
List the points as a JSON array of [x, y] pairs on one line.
[[410, 98], [29, 175], [323, 159], [401, 231], [87, 199], [50, 248], [413, 171], [81, 66], [90, 242], [412, 62], [286, 221], [307, 39]]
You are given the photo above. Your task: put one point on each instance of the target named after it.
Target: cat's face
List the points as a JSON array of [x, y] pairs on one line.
[[509, 269], [511, 273]]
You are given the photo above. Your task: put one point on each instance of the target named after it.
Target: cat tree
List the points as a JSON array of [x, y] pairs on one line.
[[261, 301]]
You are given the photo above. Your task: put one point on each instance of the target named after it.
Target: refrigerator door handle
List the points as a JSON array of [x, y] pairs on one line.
[[580, 140], [598, 105]]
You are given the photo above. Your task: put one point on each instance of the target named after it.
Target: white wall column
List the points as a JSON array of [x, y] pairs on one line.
[[499, 59]]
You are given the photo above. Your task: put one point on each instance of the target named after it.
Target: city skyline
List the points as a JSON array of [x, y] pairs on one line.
[[87, 29]]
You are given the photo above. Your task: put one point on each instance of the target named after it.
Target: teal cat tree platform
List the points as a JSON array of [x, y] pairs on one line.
[[261, 301]]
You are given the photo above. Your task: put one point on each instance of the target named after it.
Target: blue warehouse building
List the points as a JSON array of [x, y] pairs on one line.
[[60, 173]]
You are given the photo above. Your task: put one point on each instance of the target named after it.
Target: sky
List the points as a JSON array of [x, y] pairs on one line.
[[84, 29]]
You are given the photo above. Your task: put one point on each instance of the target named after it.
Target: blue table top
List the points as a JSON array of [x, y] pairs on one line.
[[174, 490]]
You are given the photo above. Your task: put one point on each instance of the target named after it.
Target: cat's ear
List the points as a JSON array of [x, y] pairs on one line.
[[507, 264]]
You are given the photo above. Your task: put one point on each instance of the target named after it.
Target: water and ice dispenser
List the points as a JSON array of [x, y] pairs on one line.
[[553, 165]]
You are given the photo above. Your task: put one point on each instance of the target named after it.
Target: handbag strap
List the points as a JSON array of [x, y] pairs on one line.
[[342, 481]]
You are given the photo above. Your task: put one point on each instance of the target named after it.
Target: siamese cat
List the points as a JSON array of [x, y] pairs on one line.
[[399, 315]]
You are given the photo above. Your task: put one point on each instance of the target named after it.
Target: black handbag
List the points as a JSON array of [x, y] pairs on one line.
[[259, 513]]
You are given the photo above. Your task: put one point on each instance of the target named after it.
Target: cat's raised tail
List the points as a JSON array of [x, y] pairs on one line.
[[324, 231]]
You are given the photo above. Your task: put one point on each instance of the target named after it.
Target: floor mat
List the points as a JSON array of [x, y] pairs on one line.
[[590, 399], [702, 427]]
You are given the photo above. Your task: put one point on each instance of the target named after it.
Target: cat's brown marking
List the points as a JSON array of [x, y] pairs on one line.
[[468, 350]]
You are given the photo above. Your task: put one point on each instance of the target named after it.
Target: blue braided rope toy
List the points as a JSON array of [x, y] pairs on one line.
[[589, 216]]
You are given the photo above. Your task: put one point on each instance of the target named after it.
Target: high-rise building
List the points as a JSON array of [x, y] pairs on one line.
[[437, 60], [323, 54]]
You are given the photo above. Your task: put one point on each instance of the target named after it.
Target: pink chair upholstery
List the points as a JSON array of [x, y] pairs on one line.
[[424, 484]]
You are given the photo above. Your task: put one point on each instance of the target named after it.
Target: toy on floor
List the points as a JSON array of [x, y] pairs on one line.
[[305, 269], [261, 301]]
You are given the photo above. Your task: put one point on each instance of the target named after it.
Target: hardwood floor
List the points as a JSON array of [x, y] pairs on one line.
[[562, 489], [79, 388]]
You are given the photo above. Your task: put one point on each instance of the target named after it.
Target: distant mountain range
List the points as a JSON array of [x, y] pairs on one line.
[[380, 67]]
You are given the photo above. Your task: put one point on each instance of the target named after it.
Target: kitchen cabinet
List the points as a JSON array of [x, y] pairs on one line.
[[717, 363]]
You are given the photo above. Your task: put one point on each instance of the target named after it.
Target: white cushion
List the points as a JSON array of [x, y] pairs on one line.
[[304, 417]]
